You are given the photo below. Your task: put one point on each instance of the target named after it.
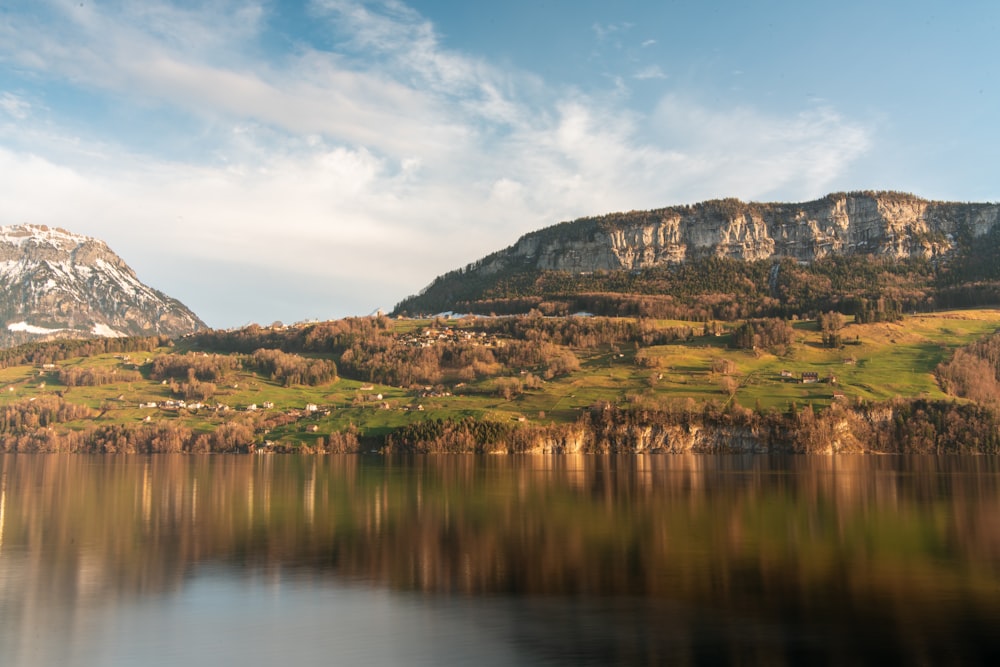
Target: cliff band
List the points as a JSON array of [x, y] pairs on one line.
[[885, 224]]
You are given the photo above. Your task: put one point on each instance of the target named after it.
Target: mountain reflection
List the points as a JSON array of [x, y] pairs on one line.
[[895, 557]]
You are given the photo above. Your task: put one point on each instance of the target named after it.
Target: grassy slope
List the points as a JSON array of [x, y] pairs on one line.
[[887, 360]]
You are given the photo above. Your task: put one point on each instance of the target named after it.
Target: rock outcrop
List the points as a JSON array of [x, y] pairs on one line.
[[55, 284], [885, 224]]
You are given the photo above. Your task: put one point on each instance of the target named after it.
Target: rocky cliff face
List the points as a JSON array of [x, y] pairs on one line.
[[885, 224], [55, 284]]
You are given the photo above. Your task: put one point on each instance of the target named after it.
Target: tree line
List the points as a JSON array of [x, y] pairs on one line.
[[367, 349], [869, 287], [898, 426], [50, 352], [95, 377], [282, 367], [973, 372]]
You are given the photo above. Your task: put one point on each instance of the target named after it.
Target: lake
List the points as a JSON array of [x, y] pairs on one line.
[[498, 560]]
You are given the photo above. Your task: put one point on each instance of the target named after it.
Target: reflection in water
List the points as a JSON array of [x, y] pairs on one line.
[[547, 560]]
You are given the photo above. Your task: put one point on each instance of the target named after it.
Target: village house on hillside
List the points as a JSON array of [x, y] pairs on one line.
[[432, 336]]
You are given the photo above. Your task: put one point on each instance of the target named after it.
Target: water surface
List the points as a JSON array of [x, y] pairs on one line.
[[435, 560]]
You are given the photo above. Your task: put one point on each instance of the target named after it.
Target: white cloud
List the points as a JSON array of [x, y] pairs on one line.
[[308, 93], [745, 153], [357, 174], [14, 106]]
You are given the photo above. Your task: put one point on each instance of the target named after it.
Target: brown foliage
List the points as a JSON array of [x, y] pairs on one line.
[[973, 372], [194, 366], [94, 377]]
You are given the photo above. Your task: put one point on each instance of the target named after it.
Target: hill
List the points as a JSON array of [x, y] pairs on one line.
[[514, 384], [728, 259], [56, 284]]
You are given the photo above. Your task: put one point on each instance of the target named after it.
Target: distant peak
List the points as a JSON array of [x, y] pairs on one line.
[[57, 284], [19, 235]]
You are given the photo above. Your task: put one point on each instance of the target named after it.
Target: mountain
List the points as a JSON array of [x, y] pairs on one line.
[[648, 252], [56, 284]]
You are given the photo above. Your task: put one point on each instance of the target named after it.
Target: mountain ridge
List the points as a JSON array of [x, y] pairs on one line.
[[885, 225], [58, 284]]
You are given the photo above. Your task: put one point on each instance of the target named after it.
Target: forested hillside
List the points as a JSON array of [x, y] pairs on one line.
[[902, 255], [905, 383]]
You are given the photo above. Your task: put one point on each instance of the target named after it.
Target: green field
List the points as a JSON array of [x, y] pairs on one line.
[[877, 362]]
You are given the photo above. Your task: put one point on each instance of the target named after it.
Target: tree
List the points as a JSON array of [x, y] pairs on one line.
[[728, 385], [830, 325]]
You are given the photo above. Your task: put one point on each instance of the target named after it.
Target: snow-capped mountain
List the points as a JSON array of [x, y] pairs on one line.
[[56, 284]]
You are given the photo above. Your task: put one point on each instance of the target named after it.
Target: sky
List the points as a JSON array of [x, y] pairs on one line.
[[271, 161]]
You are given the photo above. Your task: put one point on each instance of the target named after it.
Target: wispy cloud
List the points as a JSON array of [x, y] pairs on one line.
[[606, 30], [650, 72], [14, 106], [360, 170], [750, 154]]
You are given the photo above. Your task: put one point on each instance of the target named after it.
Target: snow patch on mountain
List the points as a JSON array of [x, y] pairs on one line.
[[19, 235], [104, 331], [78, 287], [31, 328]]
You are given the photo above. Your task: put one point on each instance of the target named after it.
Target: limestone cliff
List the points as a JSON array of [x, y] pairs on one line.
[[893, 227], [885, 224]]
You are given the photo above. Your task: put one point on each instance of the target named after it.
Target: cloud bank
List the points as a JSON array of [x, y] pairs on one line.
[[338, 174]]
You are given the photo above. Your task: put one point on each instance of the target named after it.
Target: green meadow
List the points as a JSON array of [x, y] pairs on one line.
[[876, 362]]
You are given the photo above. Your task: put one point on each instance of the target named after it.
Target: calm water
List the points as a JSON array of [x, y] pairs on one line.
[[456, 560]]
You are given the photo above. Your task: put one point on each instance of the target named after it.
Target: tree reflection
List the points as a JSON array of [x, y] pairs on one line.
[[897, 552]]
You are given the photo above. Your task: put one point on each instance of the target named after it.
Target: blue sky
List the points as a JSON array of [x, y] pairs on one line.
[[291, 160]]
